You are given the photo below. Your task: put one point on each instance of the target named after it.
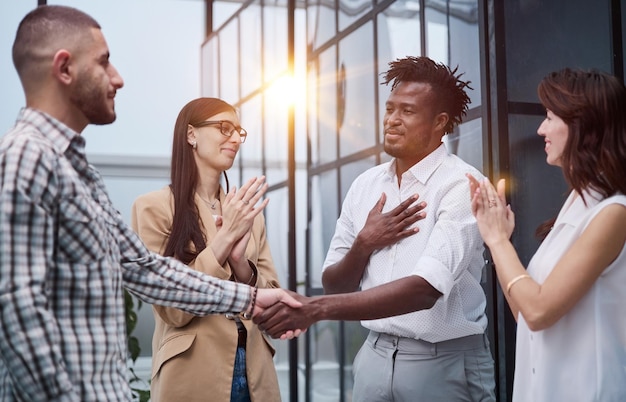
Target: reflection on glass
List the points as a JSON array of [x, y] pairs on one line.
[[398, 34], [222, 11], [356, 103], [452, 38], [326, 88], [437, 45], [325, 369], [467, 142], [210, 69], [250, 48], [229, 62], [321, 21], [350, 171], [352, 10], [530, 175], [277, 218], [324, 214], [274, 39], [251, 152], [275, 121], [354, 336]]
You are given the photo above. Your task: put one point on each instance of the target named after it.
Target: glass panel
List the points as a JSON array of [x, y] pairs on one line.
[[313, 121], [222, 11], [209, 77], [437, 44], [250, 49], [321, 22], [302, 220], [354, 336], [352, 10], [276, 218], [398, 34], [229, 62], [275, 56], [465, 45], [276, 140], [579, 38], [467, 142], [325, 368], [350, 171], [357, 77], [123, 192], [325, 149], [531, 175], [301, 92], [324, 214], [251, 151]]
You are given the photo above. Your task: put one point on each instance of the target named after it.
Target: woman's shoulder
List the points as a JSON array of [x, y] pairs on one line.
[[163, 195]]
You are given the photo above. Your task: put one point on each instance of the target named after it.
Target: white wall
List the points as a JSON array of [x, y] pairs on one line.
[[155, 45]]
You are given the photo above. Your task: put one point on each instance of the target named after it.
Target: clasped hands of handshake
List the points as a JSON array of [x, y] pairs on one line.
[[282, 313]]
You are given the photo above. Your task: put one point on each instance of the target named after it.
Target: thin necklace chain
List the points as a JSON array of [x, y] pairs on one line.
[[207, 202]]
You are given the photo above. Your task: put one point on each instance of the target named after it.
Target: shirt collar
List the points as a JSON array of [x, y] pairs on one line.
[[423, 169], [60, 135]]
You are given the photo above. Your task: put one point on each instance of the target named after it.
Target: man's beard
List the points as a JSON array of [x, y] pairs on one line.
[[91, 99]]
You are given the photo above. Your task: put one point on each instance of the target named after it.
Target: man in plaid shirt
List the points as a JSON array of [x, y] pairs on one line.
[[65, 252]]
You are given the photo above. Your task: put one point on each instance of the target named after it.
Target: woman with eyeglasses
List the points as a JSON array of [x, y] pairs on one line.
[[219, 232]]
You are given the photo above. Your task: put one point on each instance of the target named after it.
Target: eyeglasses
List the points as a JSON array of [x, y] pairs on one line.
[[226, 128]]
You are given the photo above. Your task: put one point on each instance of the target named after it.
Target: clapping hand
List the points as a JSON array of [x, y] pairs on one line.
[[495, 218]]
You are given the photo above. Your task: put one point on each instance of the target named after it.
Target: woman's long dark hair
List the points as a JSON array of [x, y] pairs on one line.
[[593, 105], [186, 228]]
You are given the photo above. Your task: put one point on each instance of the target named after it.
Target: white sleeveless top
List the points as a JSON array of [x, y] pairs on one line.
[[582, 357]]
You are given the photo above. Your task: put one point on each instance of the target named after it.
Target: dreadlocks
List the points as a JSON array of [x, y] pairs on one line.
[[451, 97]]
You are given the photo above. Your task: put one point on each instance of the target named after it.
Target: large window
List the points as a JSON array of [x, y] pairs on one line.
[[337, 132]]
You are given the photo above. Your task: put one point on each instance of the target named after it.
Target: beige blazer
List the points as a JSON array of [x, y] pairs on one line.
[[193, 357]]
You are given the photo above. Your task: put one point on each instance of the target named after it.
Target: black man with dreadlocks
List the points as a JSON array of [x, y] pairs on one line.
[[417, 289]]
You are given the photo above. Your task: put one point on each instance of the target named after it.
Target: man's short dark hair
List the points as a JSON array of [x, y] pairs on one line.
[[43, 28]]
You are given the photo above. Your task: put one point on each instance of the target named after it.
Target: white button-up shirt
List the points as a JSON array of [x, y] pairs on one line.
[[447, 251]]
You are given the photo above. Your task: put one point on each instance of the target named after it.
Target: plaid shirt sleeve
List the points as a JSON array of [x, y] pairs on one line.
[[168, 282]]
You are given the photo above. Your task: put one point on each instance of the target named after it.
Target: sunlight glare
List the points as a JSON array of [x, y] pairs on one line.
[[287, 90]]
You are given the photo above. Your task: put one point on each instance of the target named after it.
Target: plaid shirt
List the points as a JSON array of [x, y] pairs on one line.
[[65, 254]]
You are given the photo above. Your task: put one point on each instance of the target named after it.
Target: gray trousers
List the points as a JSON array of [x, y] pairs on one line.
[[395, 369]]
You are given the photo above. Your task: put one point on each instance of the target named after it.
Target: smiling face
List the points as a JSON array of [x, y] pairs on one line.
[[96, 81], [555, 133], [214, 150], [412, 128]]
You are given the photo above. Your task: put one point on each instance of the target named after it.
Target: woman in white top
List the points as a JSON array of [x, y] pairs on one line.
[[569, 304]]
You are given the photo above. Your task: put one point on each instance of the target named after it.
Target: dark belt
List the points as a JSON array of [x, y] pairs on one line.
[[242, 334]]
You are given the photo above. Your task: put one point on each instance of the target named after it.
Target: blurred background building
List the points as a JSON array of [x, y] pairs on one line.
[[305, 75]]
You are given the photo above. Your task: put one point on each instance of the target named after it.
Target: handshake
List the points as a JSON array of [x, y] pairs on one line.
[[284, 314]]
